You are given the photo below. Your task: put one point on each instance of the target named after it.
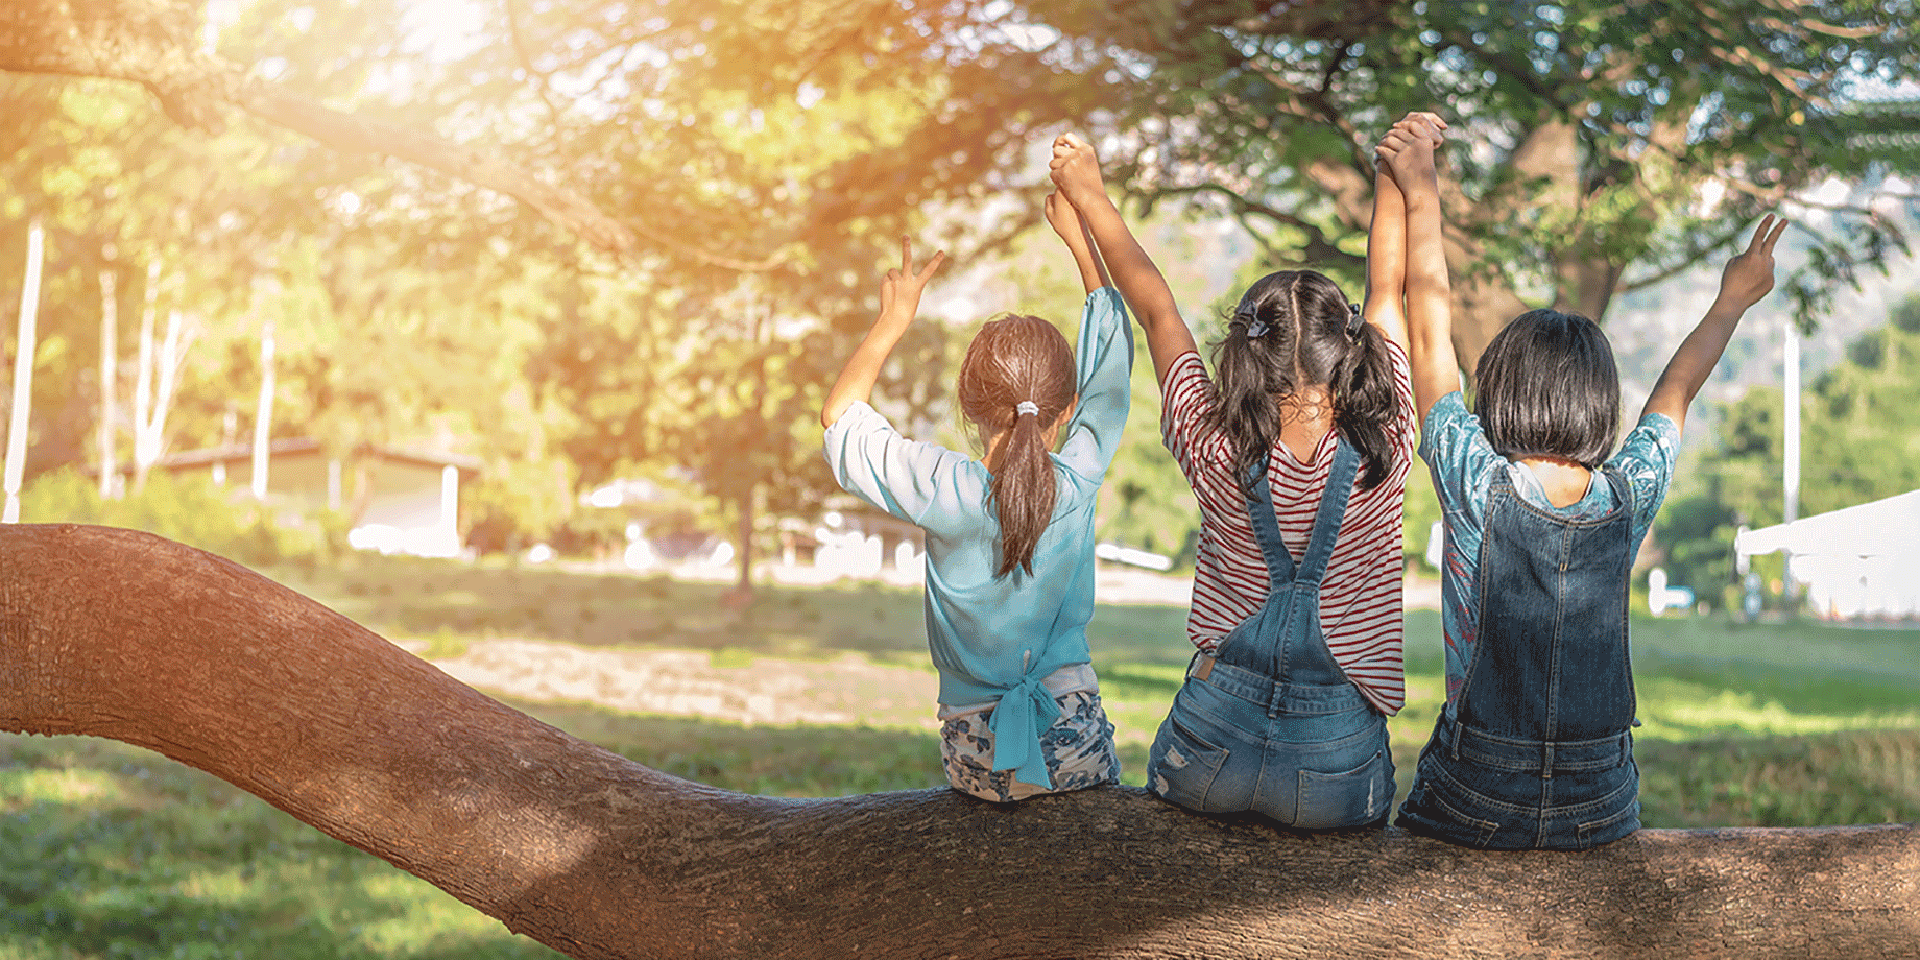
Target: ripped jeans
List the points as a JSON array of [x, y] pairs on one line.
[[1223, 748]]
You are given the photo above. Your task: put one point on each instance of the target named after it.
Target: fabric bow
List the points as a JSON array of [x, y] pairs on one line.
[[1016, 723]]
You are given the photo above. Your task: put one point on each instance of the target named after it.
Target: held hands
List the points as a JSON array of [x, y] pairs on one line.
[[1749, 276], [1075, 169], [900, 291], [1407, 150], [1065, 220]]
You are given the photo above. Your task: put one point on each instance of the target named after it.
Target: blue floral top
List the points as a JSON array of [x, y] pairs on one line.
[[1455, 447]]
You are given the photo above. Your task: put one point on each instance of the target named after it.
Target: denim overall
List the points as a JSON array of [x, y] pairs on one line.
[[1535, 751], [1273, 725]]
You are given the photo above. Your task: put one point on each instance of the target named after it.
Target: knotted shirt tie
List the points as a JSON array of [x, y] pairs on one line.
[[1023, 712]]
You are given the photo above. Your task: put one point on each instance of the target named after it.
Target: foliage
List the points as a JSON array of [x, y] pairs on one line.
[[766, 155], [1602, 147], [1859, 442], [195, 512]]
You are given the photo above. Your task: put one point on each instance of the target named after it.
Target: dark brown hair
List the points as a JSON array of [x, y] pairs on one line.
[[1302, 320], [1013, 359], [1547, 387]]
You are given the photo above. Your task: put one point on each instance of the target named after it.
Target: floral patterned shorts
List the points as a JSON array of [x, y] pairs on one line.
[[1078, 746]]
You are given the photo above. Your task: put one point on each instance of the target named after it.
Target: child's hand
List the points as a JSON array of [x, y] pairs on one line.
[[1749, 276], [1064, 219], [900, 291], [1075, 169], [1427, 123], [1407, 150]]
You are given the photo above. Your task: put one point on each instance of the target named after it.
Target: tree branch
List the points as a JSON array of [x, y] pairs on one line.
[[151, 42], [125, 635], [1318, 247]]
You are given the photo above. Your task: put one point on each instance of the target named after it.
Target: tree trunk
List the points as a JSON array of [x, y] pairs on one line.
[[263, 416], [154, 400], [125, 635], [109, 373], [25, 345], [143, 376]]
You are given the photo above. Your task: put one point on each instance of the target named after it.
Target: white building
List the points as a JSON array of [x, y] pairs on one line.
[[401, 501], [1856, 563]]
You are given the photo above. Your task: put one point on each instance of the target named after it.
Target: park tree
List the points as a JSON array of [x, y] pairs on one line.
[[1599, 148]]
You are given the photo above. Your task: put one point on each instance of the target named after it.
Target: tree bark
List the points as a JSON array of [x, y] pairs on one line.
[[121, 634]]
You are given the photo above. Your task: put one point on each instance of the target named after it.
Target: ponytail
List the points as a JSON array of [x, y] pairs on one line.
[[1017, 379], [1023, 492]]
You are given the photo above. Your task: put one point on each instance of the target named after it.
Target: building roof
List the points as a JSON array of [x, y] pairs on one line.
[[296, 446], [1883, 528]]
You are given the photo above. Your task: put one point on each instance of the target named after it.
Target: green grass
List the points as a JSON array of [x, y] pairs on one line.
[[111, 851]]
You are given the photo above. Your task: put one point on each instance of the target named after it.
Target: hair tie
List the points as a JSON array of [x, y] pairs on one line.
[[1026, 407], [1247, 316], [1354, 321]]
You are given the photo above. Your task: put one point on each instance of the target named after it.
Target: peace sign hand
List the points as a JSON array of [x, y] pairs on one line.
[[1749, 276], [900, 291]]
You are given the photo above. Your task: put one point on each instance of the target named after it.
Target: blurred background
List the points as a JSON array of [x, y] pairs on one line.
[[502, 326]]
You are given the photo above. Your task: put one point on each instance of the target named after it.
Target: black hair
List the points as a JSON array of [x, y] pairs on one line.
[[1018, 359], [1291, 331], [1547, 387]]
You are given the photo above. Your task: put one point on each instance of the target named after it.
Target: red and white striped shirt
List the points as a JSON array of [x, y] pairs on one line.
[[1360, 610]]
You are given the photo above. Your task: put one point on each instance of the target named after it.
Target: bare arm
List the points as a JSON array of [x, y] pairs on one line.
[[1387, 259], [1747, 278], [1408, 151], [1076, 171], [899, 301], [1072, 228]]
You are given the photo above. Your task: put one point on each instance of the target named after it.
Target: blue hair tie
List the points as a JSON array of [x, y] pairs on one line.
[[1354, 321]]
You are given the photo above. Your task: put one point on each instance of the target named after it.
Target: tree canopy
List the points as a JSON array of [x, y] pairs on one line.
[[598, 237], [1600, 147]]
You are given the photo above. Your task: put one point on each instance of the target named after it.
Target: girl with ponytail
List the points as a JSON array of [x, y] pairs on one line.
[[1010, 535], [1297, 449]]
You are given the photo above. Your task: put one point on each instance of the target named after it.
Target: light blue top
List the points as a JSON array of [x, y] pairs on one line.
[[1455, 447], [996, 638]]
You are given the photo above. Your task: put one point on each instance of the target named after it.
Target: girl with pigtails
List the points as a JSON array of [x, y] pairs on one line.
[[1297, 449], [1010, 538]]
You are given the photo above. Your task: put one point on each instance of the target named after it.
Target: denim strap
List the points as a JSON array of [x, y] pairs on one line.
[[1326, 522]]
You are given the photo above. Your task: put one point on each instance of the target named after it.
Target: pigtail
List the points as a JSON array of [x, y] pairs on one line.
[[1294, 328], [1365, 403], [1023, 493], [1246, 410]]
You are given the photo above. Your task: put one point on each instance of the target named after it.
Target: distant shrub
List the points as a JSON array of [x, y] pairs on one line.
[[194, 511]]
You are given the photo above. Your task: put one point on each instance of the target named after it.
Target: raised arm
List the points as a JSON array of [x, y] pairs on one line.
[[899, 301], [1408, 152], [1072, 228], [1387, 259], [1076, 171], [1747, 278]]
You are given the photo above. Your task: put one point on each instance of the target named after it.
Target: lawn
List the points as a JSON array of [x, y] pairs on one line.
[[110, 851]]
